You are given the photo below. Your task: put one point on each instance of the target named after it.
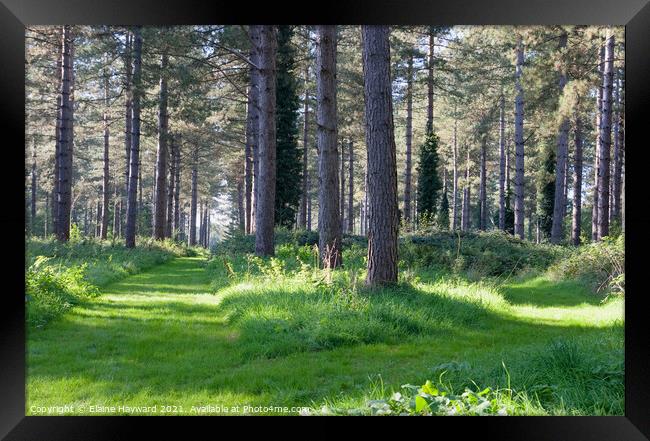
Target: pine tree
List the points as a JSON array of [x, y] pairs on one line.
[[443, 212], [429, 184], [289, 157]]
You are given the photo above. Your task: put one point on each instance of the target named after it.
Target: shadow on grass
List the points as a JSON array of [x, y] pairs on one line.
[[540, 291], [281, 347]]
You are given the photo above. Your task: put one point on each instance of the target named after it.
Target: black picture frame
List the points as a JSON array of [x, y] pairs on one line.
[[634, 14]]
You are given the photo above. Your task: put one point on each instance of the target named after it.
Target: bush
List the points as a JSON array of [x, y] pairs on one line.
[[600, 265], [51, 291], [482, 254]]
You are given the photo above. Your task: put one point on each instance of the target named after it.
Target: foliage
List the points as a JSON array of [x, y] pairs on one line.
[[443, 213], [288, 156], [429, 183], [482, 254], [600, 265]]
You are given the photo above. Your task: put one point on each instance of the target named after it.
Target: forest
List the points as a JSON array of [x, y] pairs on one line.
[[325, 220]]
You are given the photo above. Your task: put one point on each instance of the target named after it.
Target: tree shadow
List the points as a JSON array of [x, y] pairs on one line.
[[542, 292]]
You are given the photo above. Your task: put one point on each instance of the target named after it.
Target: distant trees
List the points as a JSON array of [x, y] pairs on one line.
[[429, 183]]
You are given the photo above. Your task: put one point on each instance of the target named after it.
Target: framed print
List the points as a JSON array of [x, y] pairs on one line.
[[381, 209]]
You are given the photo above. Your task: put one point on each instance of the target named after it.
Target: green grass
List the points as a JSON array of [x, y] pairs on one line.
[[185, 334]]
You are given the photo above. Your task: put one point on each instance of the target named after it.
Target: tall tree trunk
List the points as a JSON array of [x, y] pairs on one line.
[[382, 162], [47, 220], [605, 139], [64, 197], [559, 203], [502, 164], [465, 213], [98, 219], [482, 192], [577, 183], [305, 154], [351, 187], [329, 214], [409, 140], [519, 143], [57, 138], [106, 196], [169, 222], [128, 124], [177, 187], [599, 107], [201, 224], [616, 173], [194, 191], [240, 205], [342, 198], [160, 214], [255, 91], [32, 201], [248, 150], [454, 210], [265, 191], [134, 157], [432, 41]]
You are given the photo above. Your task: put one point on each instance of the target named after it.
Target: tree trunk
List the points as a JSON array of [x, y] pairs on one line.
[[605, 139], [519, 144], [240, 205], [305, 155], [32, 201], [160, 206], [342, 198], [128, 123], [577, 183], [255, 90], [351, 188], [559, 203], [106, 196], [430, 81], [134, 157], [329, 210], [599, 106], [465, 220], [98, 219], [454, 210], [169, 222], [57, 134], [502, 164], [177, 187], [265, 191], [616, 175], [64, 197], [482, 192], [382, 163], [194, 190], [409, 141], [251, 140]]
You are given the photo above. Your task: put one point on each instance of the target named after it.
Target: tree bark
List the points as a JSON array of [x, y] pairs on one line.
[[265, 191], [106, 195], [351, 187], [169, 221], [240, 205], [57, 135], [177, 188], [616, 176], [305, 155], [64, 196], [430, 81], [255, 87], [454, 210], [128, 123], [134, 157], [409, 140], [599, 105], [160, 214], [342, 198], [577, 183], [382, 163], [465, 220], [329, 215], [32, 218], [605, 139], [502, 164], [559, 203], [519, 143], [194, 191], [482, 193]]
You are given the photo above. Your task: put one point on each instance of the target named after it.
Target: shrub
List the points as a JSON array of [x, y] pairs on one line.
[[600, 265]]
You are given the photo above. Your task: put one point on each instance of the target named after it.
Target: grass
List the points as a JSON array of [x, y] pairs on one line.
[[201, 338]]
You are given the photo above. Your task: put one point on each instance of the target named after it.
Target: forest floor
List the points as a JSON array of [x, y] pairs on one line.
[[166, 338]]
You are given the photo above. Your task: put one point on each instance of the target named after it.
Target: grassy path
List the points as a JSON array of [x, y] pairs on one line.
[[160, 339]]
